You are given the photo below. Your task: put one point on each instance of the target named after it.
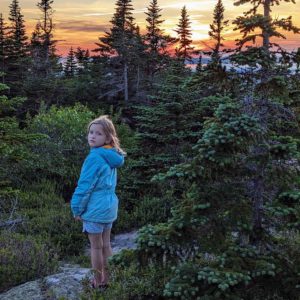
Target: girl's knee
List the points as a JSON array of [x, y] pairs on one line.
[[97, 246], [96, 241], [106, 246]]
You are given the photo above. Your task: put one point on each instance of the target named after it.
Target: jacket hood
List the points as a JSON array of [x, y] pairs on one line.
[[111, 156]]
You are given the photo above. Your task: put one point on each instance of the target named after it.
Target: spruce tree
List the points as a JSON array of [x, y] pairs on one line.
[[184, 36], [167, 125], [214, 78], [121, 41], [42, 82], [35, 49], [43, 48], [3, 46], [18, 45], [83, 57], [17, 48], [216, 31], [154, 36], [212, 240], [268, 26], [254, 25], [70, 68], [156, 41]]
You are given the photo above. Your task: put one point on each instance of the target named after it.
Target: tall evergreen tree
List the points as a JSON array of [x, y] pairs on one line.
[[3, 46], [214, 74], [42, 83], [121, 41], [184, 36], [214, 239], [18, 45], [42, 43], [82, 57], [36, 49], [70, 68], [216, 30], [156, 41], [254, 25], [166, 127], [154, 37], [17, 50]]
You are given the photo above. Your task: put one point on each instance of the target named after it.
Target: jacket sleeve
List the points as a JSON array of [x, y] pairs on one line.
[[90, 171], [112, 157]]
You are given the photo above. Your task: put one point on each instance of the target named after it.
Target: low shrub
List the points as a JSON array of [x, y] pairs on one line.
[[57, 227], [130, 281], [23, 258], [47, 215], [148, 210]]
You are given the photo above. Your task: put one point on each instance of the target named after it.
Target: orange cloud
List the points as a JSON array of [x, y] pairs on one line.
[[80, 23]]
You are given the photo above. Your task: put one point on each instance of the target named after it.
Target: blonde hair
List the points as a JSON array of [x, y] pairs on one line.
[[109, 130]]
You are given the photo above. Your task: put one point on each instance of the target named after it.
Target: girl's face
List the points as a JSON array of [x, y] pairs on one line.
[[96, 136]]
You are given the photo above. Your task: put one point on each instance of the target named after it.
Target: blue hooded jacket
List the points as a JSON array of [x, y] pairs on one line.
[[94, 199]]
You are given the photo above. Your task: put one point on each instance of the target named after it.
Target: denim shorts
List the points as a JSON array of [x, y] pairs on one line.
[[95, 227]]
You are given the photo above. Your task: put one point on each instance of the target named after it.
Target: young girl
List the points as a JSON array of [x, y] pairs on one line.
[[94, 201]]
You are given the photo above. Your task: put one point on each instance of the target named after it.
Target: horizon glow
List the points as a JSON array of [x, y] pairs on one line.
[[80, 24]]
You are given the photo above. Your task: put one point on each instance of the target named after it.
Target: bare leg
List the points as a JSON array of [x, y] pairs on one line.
[[107, 252], [96, 242]]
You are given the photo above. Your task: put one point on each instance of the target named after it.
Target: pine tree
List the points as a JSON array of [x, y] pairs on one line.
[[166, 128], [214, 75], [154, 37], [255, 26], [18, 45], [216, 31], [212, 241], [268, 26], [41, 82], [199, 67], [139, 62], [17, 48], [36, 49], [83, 60], [3, 46], [184, 36], [121, 41], [42, 43], [156, 41], [70, 68]]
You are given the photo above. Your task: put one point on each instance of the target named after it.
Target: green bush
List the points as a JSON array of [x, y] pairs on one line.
[[60, 154], [40, 194], [58, 228], [23, 258], [47, 215], [148, 210]]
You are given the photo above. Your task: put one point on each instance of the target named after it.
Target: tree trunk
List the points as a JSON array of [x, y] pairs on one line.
[[257, 215], [125, 76], [138, 80], [265, 33]]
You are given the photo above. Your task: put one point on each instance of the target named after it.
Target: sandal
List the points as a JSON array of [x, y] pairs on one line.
[[93, 284]]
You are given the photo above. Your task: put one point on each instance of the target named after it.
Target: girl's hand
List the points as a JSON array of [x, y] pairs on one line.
[[77, 218]]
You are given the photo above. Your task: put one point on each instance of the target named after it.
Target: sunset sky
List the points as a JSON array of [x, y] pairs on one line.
[[80, 23]]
